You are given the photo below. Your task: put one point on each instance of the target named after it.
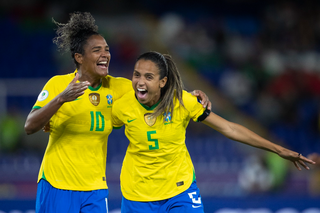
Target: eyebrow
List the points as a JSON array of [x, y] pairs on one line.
[[99, 47]]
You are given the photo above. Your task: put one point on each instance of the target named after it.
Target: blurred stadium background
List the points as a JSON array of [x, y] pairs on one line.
[[258, 61]]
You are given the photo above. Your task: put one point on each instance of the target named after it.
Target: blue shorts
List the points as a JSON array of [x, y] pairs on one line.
[[187, 201], [53, 200]]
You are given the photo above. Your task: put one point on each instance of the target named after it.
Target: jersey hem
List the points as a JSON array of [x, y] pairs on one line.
[[159, 199], [117, 127], [75, 189]]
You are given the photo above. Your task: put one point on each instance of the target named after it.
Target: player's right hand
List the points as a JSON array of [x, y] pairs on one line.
[[73, 90], [46, 127]]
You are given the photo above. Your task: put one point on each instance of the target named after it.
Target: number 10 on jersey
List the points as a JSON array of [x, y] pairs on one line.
[[97, 121]]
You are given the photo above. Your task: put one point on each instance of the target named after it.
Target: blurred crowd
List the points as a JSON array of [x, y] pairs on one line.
[[267, 65], [262, 57]]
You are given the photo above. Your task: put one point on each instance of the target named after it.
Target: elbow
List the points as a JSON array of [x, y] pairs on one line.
[[28, 129]]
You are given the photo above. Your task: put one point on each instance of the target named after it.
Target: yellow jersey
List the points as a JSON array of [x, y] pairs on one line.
[[157, 164], [75, 157]]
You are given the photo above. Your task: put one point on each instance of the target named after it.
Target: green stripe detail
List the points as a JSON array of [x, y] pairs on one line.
[[194, 176], [36, 107], [94, 89], [92, 120], [43, 176], [149, 108], [117, 127]]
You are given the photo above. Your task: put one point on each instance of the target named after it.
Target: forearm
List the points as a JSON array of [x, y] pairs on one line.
[[240, 133], [246, 136], [38, 118]]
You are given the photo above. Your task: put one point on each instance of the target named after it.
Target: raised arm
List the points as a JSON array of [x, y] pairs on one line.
[[241, 134], [38, 118]]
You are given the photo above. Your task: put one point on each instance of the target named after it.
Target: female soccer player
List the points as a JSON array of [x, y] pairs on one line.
[[78, 106], [157, 173]]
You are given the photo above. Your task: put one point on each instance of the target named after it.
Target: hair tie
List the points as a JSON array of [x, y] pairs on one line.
[[165, 62]]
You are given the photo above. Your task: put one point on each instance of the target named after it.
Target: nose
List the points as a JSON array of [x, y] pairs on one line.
[[105, 54], [141, 81]]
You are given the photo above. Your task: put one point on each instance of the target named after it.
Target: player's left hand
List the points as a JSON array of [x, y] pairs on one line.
[[297, 158], [206, 103]]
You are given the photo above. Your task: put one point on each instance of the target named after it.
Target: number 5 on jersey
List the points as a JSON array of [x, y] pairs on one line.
[[156, 144]]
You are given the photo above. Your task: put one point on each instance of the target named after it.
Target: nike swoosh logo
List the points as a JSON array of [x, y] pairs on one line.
[[129, 121], [193, 206]]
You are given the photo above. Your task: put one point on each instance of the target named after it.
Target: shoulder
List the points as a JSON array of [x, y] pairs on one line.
[[188, 98], [190, 101], [61, 80], [118, 85], [64, 77], [118, 81], [126, 101]]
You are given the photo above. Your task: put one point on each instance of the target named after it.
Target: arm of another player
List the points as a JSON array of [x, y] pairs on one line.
[[315, 157], [241, 134], [206, 103], [38, 118]]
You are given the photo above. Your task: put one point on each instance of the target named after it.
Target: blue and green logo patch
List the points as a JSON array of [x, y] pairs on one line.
[[43, 95], [109, 99], [167, 119]]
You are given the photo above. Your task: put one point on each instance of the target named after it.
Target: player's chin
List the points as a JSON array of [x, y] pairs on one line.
[[143, 100], [103, 72]]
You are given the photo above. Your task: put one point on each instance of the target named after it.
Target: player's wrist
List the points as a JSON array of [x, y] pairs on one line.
[[59, 100]]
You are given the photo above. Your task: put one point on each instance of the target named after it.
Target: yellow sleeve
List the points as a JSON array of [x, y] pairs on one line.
[[193, 106], [49, 91], [123, 86], [116, 122]]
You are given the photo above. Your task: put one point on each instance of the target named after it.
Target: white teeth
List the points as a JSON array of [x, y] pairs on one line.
[[141, 90], [102, 62]]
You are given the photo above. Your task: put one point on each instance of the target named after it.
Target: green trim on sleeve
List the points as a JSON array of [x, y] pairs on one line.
[[43, 176], [194, 176], [117, 127], [36, 107]]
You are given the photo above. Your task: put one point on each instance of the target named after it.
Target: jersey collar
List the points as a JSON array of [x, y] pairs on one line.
[[95, 89], [149, 108], [90, 87]]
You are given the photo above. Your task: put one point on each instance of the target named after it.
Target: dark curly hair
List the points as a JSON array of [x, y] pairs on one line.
[[73, 35]]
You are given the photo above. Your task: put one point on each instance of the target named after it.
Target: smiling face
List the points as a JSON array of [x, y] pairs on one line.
[[146, 82], [96, 58]]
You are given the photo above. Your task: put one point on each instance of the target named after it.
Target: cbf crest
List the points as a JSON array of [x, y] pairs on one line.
[[94, 98], [150, 119], [109, 99], [167, 118]]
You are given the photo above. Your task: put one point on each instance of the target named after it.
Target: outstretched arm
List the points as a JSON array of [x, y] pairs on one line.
[[242, 134], [38, 118]]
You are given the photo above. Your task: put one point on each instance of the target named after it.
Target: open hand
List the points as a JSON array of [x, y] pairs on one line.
[[297, 159], [74, 90]]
